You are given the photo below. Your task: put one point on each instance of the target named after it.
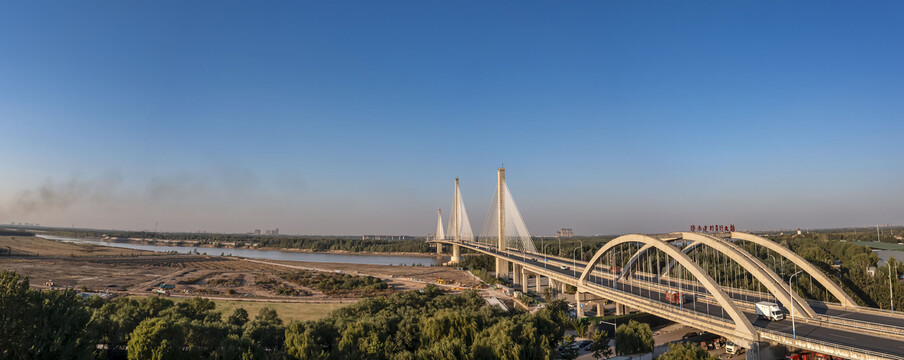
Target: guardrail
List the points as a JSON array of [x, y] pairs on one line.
[[875, 328], [663, 307], [848, 352]]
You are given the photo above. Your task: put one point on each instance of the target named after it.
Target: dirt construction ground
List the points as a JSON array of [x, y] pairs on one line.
[[135, 272]]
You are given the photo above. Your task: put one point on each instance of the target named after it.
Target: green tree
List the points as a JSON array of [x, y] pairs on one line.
[[686, 351], [41, 324], [15, 297], [580, 326], [157, 339], [234, 347], [239, 317], [267, 330], [600, 346], [633, 338], [310, 340]]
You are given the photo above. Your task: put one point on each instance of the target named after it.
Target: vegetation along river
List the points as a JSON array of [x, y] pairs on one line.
[[267, 254]]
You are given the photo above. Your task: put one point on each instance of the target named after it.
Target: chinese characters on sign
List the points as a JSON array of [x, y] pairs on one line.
[[712, 228]]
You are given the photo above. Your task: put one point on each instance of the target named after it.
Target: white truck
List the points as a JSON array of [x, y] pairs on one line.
[[770, 311]]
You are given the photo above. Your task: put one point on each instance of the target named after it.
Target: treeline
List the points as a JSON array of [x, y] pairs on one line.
[[338, 284], [428, 325], [59, 324], [889, 234], [853, 273], [306, 242], [9, 232], [579, 247]]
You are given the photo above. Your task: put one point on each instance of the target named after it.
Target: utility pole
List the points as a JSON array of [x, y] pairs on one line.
[[891, 288], [793, 327]]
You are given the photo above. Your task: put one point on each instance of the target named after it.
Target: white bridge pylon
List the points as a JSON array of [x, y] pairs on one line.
[[459, 227], [514, 229]]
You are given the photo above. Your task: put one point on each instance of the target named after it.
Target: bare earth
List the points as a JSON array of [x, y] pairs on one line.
[[136, 272]]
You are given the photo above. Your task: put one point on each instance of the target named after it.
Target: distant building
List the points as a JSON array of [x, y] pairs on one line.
[[257, 231], [565, 232], [386, 237]]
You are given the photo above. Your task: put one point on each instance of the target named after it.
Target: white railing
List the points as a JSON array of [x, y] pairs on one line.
[[822, 346]]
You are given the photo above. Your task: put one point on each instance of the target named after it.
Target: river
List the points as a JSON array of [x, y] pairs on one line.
[[266, 254]]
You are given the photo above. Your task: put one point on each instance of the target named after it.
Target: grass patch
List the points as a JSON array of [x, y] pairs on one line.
[[288, 312]]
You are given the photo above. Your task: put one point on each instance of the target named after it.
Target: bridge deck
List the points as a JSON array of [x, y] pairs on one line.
[[844, 337]]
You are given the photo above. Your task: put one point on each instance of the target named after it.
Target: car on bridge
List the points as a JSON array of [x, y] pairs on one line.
[[769, 310], [675, 297], [563, 267]]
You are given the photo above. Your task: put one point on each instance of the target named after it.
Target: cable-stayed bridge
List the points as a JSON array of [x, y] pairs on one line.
[[719, 278]]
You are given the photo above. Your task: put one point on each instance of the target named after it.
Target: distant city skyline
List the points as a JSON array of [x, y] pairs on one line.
[[354, 118]]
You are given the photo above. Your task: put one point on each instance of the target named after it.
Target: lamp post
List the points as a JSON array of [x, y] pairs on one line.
[[891, 289], [614, 328], [574, 263], [545, 256], [793, 327]]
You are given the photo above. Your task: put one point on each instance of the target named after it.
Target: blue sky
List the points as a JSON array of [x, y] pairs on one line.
[[354, 117]]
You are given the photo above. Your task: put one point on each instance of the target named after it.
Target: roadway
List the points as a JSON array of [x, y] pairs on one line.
[[860, 314], [844, 337]]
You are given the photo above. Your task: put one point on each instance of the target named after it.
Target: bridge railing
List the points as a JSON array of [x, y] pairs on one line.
[[825, 347], [662, 306]]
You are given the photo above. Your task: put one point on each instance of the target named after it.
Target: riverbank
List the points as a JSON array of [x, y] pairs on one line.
[[346, 257], [231, 245], [128, 272]]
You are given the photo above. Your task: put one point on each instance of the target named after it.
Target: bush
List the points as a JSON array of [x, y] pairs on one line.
[[633, 338]]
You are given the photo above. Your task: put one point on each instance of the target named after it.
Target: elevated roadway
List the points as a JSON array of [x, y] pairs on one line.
[[706, 313]]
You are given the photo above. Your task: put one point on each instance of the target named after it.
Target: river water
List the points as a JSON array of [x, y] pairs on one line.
[[266, 254]]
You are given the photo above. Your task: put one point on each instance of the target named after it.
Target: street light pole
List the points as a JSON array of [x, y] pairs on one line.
[[545, 256], [793, 327], [891, 289], [614, 328], [574, 263]]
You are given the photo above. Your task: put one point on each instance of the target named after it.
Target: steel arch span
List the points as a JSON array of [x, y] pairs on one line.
[[811, 270], [755, 267], [743, 327]]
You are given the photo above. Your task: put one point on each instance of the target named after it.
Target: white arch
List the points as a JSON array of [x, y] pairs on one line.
[[755, 267], [817, 274], [742, 324]]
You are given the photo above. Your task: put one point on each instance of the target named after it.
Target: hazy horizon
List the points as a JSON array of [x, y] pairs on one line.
[[354, 118]]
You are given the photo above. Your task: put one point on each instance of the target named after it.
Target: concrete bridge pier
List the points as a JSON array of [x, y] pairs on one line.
[[439, 248], [554, 285], [456, 253], [517, 278], [539, 284], [577, 307], [599, 307], [621, 309], [524, 277], [753, 350], [502, 268]]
